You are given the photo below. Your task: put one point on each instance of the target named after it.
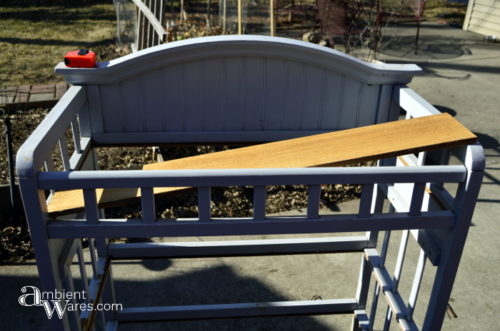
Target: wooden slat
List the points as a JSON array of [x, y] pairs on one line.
[[329, 149]]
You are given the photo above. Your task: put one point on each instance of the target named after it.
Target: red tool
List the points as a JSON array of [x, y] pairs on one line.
[[80, 59]]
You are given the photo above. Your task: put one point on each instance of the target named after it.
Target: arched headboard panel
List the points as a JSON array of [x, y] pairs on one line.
[[264, 88]]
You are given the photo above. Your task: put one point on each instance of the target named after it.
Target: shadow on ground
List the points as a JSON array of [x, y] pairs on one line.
[[492, 147], [445, 109], [487, 141], [427, 48], [219, 284]]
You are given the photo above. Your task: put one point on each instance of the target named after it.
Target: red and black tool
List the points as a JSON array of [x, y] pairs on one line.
[[80, 59]]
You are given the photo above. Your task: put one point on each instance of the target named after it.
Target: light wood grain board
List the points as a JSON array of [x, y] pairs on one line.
[[338, 148]]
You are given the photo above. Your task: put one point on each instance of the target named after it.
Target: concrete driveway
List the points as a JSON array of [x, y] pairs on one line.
[[462, 77]]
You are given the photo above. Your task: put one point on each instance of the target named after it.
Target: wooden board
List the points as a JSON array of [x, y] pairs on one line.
[[338, 148]]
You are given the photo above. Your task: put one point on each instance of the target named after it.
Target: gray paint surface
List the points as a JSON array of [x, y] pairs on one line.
[[350, 94], [236, 83]]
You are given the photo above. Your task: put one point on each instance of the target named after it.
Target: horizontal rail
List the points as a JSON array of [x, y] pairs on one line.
[[79, 228], [65, 180], [217, 248], [280, 308], [198, 137]]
